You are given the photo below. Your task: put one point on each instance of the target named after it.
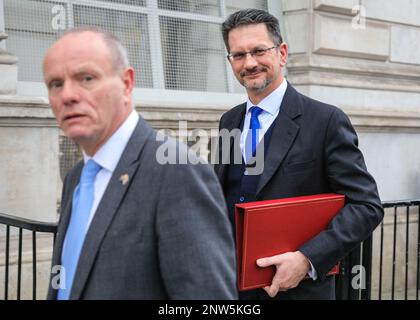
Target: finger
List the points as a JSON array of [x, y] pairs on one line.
[[275, 285], [269, 261], [273, 290], [270, 291], [267, 289]]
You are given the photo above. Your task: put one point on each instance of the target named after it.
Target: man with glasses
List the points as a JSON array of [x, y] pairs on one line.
[[308, 147]]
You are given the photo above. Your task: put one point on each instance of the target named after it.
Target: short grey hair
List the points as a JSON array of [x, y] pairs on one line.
[[118, 52], [252, 16]]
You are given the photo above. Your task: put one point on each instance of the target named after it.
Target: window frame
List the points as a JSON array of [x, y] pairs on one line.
[[151, 9]]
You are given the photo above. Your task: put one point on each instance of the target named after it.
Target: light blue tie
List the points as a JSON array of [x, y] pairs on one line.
[[252, 142], [77, 229]]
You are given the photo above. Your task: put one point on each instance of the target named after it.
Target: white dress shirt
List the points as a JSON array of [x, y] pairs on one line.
[[271, 108], [108, 157]]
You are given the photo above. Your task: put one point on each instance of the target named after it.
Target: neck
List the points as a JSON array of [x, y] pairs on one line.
[[256, 96]]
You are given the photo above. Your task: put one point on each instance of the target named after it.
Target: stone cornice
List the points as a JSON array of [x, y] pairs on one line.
[[384, 121], [169, 116], [21, 101], [22, 111], [25, 112], [7, 58], [352, 73], [16, 106]]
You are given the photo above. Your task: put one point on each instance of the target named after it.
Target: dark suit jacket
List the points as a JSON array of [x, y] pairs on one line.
[[314, 149], [163, 235]]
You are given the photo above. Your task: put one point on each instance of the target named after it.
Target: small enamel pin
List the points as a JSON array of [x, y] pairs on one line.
[[124, 179]]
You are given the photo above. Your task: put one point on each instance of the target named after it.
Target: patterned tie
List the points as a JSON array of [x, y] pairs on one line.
[[77, 229], [252, 142]]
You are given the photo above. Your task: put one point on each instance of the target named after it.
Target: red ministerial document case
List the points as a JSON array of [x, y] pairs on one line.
[[271, 227]]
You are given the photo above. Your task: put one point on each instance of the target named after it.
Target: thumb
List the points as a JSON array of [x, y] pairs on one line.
[[269, 261]]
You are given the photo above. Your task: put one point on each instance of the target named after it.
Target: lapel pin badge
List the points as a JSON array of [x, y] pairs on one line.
[[124, 179]]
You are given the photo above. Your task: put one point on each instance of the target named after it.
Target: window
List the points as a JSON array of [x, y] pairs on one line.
[[172, 44]]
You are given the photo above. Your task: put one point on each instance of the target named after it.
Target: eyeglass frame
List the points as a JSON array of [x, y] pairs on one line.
[[253, 53]]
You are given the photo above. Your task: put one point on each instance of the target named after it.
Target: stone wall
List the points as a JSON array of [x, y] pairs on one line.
[[30, 185], [366, 61]]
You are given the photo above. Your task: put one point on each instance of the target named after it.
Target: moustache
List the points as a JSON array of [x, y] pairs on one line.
[[252, 71]]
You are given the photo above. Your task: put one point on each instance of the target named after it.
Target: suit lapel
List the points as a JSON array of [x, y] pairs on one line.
[[109, 205], [284, 133], [232, 123]]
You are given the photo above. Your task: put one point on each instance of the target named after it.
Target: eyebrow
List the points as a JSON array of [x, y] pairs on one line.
[[86, 68]]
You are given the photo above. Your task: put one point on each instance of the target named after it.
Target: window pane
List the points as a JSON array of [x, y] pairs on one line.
[[129, 2], [29, 27], [235, 5], [205, 7], [130, 28], [193, 51], [193, 55]]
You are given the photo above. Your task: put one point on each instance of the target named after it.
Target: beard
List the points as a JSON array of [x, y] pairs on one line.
[[253, 85], [257, 86]]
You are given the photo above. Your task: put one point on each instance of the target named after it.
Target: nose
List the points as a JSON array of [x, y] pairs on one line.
[[69, 93], [250, 61]]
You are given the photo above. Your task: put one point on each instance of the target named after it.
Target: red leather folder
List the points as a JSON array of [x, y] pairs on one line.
[[267, 228]]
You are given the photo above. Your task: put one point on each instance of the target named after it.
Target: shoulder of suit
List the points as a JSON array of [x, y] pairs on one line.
[[234, 111], [158, 139]]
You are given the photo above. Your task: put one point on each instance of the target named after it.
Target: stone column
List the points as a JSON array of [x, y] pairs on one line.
[[8, 69], [2, 44]]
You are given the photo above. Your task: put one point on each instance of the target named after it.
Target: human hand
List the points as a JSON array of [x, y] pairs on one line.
[[291, 268]]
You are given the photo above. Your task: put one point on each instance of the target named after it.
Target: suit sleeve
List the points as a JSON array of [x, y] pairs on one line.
[[195, 241], [347, 174]]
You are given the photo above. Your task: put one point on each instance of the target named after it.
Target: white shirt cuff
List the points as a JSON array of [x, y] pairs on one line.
[[312, 273]]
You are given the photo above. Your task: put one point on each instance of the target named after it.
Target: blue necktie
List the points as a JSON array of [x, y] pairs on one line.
[[252, 142], [78, 225]]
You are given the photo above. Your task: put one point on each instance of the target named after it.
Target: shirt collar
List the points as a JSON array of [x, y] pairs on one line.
[[110, 153], [272, 102]]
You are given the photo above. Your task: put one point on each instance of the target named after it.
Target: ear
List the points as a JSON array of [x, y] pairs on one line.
[[127, 77], [284, 51], [230, 62]]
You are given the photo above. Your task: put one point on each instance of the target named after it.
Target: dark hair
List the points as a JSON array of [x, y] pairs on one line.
[[252, 16], [116, 48]]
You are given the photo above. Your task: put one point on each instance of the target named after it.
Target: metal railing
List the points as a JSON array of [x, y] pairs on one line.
[[361, 272], [369, 261], [34, 227], [356, 263]]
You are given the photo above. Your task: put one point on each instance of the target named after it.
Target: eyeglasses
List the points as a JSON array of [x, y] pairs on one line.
[[239, 56]]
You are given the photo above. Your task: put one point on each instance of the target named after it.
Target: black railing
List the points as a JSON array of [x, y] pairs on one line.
[[354, 280], [367, 263], [362, 268], [34, 227]]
